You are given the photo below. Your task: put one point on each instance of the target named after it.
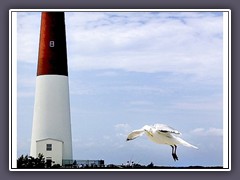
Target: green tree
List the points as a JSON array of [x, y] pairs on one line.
[[31, 162]]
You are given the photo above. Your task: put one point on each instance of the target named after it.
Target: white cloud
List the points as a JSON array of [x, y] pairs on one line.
[[123, 126], [139, 89], [108, 74], [215, 132], [141, 103], [28, 28], [178, 42], [156, 45], [203, 104], [208, 132], [122, 130]]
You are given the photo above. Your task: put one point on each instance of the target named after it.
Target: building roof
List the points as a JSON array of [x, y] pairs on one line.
[[49, 139]]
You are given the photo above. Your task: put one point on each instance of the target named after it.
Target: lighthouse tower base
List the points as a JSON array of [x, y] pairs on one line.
[[51, 130]]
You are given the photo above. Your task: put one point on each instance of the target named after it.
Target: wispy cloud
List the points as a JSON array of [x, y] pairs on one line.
[[108, 74], [139, 89], [122, 130], [28, 29], [146, 44], [201, 104], [141, 42], [141, 103], [208, 132]]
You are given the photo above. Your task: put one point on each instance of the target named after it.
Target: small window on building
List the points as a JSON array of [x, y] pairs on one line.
[[49, 147], [51, 44]]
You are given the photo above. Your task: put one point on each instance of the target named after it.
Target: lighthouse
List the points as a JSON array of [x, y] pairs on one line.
[[51, 128]]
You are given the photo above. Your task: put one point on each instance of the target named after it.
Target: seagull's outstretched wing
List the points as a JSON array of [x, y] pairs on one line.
[[135, 134], [162, 128]]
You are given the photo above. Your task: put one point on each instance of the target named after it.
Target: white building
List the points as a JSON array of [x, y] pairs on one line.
[[52, 150]]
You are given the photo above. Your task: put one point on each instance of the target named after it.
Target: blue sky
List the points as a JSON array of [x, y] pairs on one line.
[[128, 69]]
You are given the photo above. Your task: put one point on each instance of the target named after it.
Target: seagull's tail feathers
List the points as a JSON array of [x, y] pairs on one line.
[[184, 143]]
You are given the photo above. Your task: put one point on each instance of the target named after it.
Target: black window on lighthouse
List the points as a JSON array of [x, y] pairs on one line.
[[49, 147]]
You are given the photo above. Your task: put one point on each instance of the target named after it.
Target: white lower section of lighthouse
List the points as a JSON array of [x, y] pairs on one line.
[[51, 130]]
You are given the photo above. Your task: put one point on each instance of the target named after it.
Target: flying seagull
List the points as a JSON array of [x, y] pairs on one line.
[[161, 134]]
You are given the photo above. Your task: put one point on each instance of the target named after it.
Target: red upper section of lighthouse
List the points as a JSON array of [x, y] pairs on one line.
[[52, 58]]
